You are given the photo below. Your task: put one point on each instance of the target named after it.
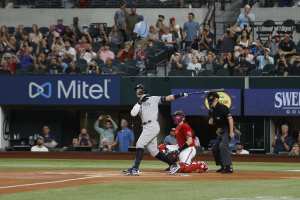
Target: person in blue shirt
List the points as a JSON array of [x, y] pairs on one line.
[[171, 138], [190, 30], [245, 19], [282, 142], [125, 137]]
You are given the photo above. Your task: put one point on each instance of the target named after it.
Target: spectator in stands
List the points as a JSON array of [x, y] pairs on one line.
[[88, 54], [190, 30], [244, 39], [282, 142], [116, 37], [93, 68], [120, 22], [25, 56], [105, 53], [168, 39], [195, 66], [107, 132], [171, 138], [69, 51], [265, 59], [210, 61], [153, 34], [160, 24], [176, 30], [76, 28], [60, 27], [125, 137], [49, 139], [283, 68], [35, 36], [141, 31], [295, 66], [19, 32], [227, 42], [40, 65], [245, 19], [295, 151], [109, 68], [206, 39], [131, 19], [126, 54], [240, 149], [54, 66], [101, 37], [273, 44], [83, 139], [287, 46], [229, 62], [175, 61], [72, 69], [84, 43], [39, 147]]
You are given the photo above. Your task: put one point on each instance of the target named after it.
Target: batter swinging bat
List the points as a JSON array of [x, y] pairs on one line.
[[206, 91]]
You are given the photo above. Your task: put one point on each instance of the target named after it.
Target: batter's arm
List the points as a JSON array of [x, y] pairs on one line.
[[173, 97], [135, 110]]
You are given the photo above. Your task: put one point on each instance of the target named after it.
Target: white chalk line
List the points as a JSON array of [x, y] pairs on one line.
[[51, 182]]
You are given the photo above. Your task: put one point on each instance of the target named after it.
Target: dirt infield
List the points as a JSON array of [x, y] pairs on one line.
[[12, 182]]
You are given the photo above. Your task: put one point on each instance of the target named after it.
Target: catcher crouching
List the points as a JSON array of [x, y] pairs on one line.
[[184, 152]]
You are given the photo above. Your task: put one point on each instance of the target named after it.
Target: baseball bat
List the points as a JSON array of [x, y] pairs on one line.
[[207, 91]]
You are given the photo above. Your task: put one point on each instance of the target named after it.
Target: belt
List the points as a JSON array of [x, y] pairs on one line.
[[147, 122]]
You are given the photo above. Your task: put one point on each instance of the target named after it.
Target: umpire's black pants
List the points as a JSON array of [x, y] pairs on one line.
[[221, 151]]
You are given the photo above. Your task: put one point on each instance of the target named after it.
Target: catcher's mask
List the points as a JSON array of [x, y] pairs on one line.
[[211, 97], [178, 117]]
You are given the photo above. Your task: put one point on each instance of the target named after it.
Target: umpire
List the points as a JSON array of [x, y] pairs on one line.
[[220, 117]]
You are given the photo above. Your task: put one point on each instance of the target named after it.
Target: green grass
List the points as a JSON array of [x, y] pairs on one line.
[[162, 190]]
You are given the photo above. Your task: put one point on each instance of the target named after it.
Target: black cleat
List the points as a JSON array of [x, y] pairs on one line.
[[227, 170], [220, 170]]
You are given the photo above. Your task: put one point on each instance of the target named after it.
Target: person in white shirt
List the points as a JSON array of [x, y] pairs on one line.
[[194, 65], [240, 150], [39, 147], [168, 38], [265, 59], [141, 29], [69, 51]]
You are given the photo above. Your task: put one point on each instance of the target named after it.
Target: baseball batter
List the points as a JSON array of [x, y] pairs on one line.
[[147, 109], [186, 147]]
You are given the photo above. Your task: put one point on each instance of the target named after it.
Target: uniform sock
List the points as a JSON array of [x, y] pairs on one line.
[[138, 158], [162, 157]]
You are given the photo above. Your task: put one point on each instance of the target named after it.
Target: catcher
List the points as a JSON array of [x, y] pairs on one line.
[[185, 150]]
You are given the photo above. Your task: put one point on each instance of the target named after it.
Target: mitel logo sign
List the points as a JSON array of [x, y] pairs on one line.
[[74, 89], [44, 90]]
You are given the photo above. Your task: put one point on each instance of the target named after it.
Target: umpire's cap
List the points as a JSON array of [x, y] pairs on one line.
[[212, 95]]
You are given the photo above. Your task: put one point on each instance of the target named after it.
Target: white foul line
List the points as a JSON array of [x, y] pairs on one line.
[[49, 182]]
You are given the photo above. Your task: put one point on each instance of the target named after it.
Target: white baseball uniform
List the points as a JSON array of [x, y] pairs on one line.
[[186, 156], [148, 112]]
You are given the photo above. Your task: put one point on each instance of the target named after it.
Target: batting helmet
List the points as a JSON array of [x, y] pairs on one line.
[[141, 88], [178, 116]]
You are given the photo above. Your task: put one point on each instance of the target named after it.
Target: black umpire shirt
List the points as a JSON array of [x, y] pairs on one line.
[[220, 114]]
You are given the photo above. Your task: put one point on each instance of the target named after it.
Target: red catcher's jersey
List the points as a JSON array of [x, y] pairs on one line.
[[182, 132]]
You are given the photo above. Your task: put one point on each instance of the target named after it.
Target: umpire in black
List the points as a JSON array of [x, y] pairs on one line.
[[220, 117]]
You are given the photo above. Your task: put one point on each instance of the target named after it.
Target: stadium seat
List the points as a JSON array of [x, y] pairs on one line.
[[11, 30], [266, 29], [28, 29], [268, 70], [222, 72], [288, 26], [44, 30]]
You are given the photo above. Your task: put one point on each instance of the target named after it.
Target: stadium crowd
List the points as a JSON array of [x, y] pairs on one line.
[[133, 47]]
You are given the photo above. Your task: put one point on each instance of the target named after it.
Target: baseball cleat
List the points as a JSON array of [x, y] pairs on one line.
[[174, 169], [132, 172], [227, 170], [220, 170]]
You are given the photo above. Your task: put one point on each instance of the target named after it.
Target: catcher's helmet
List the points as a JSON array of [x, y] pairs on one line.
[[139, 86], [178, 116]]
